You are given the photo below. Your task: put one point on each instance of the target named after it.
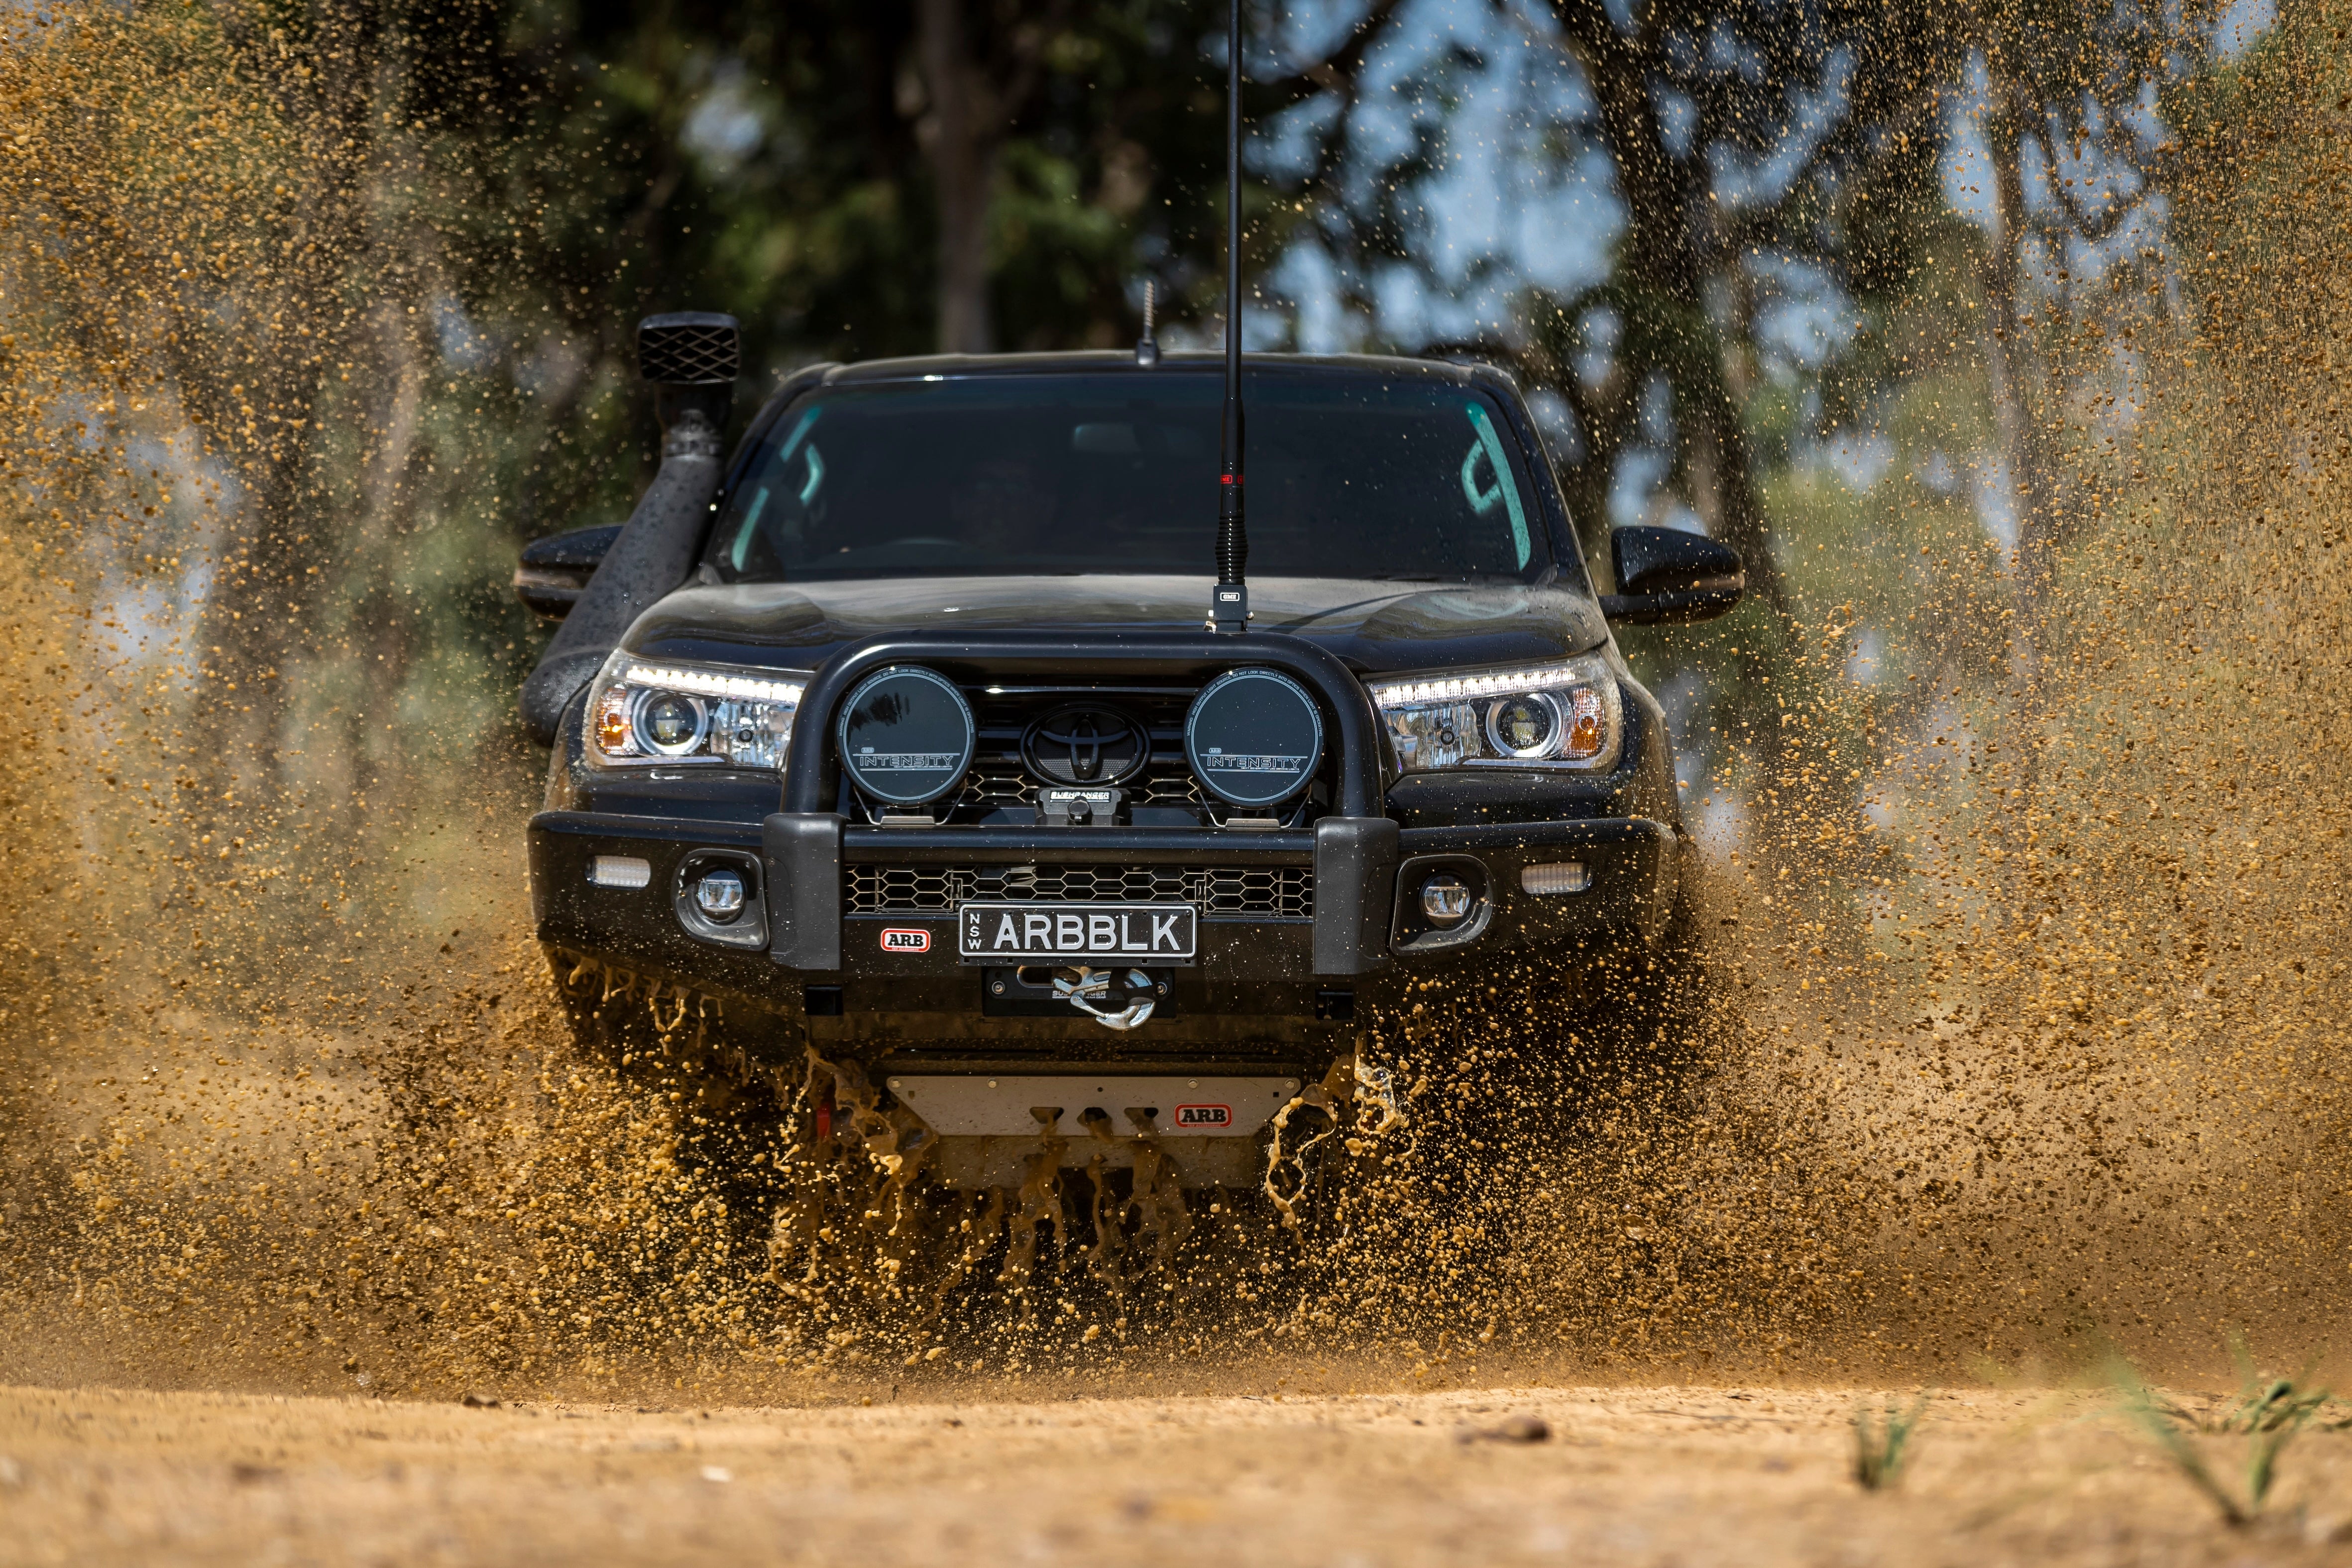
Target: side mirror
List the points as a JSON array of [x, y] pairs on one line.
[[554, 570], [1668, 577]]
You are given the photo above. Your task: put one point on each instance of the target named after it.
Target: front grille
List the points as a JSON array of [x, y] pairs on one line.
[[1162, 784], [996, 789], [1267, 892], [1002, 788]]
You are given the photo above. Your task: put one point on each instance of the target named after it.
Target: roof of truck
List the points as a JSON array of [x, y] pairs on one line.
[[1100, 360]]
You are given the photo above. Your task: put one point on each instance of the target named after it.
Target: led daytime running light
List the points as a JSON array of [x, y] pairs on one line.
[[1509, 683], [710, 683]]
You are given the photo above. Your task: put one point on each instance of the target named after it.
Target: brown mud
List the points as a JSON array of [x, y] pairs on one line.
[[2019, 1043]]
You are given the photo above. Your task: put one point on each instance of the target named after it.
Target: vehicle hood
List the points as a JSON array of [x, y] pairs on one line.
[[1374, 628]]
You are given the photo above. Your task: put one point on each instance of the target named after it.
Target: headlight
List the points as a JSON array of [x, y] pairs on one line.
[[645, 711], [1564, 715]]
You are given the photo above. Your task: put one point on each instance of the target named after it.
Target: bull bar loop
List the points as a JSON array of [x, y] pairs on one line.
[[812, 767], [1353, 850]]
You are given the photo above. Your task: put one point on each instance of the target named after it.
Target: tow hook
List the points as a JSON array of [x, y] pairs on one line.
[[1083, 986]]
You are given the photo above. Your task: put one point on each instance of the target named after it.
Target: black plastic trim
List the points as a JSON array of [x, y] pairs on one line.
[[804, 867], [1074, 846], [1355, 868], [659, 829], [1533, 835]]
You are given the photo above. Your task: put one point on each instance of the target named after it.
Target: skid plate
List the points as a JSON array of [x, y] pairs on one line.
[[969, 1105], [970, 1164]]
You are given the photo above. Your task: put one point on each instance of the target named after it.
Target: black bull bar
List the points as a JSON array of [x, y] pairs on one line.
[[1353, 850]]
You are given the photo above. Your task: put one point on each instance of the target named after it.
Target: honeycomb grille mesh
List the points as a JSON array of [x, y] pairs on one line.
[[1161, 784], [1267, 892], [692, 350], [1166, 786], [997, 787]]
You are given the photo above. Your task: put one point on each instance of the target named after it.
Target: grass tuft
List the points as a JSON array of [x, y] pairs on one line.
[[2268, 1412], [1878, 1448]]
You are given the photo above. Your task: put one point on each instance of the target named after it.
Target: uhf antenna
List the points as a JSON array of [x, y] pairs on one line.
[[1229, 601], [1147, 347]]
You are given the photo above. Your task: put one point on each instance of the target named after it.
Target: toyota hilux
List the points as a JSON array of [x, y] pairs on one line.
[[900, 737]]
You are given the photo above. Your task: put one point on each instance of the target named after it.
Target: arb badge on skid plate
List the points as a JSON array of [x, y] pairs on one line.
[[900, 939]]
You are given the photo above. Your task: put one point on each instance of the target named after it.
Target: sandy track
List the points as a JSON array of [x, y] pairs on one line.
[[1633, 1476]]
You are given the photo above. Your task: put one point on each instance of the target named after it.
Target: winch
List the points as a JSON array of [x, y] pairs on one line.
[[1083, 986]]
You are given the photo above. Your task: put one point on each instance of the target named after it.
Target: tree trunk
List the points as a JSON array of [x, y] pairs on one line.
[[1709, 414], [961, 136], [1666, 254], [2016, 381], [2012, 367], [250, 358]]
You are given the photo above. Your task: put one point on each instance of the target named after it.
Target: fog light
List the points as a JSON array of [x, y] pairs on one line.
[[1556, 876], [1445, 899], [719, 896], [619, 871]]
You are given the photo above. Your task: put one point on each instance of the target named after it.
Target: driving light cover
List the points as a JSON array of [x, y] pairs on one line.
[[1565, 715], [650, 712], [1254, 738], [906, 735]]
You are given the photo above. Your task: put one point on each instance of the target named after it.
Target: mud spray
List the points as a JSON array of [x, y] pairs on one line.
[[2017, 1029]]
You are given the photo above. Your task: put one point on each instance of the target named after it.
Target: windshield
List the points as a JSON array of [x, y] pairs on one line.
[[1349, 476]]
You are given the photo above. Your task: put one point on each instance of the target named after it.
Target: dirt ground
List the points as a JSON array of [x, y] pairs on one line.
[[1637, 1475]]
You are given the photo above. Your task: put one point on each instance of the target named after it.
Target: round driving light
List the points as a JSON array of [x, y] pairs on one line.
[[906, 735], [1445, 899], [672, 724], [1254, 737], [1524, 726], [719, 896]]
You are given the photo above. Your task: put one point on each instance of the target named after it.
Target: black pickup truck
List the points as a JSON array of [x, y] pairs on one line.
[[899, 736]]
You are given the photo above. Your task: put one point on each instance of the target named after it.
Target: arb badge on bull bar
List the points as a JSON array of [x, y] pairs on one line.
[[1088, 933]]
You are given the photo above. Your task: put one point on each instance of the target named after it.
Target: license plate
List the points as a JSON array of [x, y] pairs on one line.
[[1078, 933]]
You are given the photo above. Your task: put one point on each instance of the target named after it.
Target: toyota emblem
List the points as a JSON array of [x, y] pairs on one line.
[[1085, 744]]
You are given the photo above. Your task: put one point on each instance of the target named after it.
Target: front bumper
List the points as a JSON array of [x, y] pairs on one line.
[[851, 929], [1257, 981]]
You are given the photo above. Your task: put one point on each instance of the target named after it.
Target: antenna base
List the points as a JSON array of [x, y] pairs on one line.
[[1229, 609]]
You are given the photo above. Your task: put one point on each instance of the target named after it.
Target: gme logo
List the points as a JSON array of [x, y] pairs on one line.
[[904, 940], [1204, 1116]]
